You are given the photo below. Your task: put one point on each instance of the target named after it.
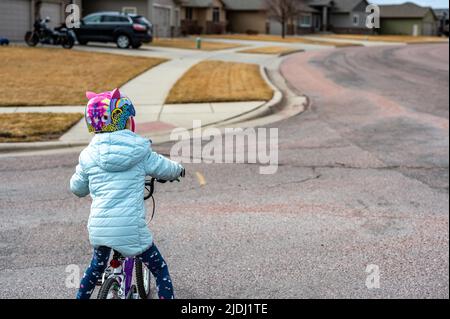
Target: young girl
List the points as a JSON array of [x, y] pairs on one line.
[[112, 169]]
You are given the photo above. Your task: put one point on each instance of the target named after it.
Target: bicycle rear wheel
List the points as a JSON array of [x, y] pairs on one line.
[[143, 280], [109, 289]]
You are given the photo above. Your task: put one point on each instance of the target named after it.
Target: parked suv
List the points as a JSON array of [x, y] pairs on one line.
[[125, 30]]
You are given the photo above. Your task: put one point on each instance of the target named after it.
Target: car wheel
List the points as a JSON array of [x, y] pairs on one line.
[[123, 41]]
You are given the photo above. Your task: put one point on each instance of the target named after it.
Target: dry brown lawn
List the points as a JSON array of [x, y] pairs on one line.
[[44, 76], [190, 44], [33, 127], [274, 38], [388, 38], [271, 50], [217, 81]]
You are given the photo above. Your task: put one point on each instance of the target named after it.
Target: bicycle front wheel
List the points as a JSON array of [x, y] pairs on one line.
[[143, 280], [110, 289]]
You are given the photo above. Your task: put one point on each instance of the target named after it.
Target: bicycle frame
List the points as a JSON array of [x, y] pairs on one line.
[[124, 274]]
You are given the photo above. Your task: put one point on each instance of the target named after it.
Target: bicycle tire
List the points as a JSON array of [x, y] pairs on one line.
[[106, 287], [140, 280]]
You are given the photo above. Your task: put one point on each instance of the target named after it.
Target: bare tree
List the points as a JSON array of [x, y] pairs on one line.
[[284, 11]]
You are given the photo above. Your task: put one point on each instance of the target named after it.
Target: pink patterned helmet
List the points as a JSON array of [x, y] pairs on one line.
[[108, 111]]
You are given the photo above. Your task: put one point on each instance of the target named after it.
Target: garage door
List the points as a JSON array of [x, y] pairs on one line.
[[52, 10], [428, 29], [275, 27], [15, 18], [161, 22]]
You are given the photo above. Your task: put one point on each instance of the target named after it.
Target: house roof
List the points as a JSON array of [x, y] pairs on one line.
[[256, 5], [337, 5], [245, 5], [305, 7], [441, 13], [405, 10], [319, 3], [346, 5], [197, 3]]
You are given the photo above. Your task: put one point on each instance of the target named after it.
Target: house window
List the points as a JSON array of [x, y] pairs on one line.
[[189, 14], [129, 10], [216, 15], [305, 21], [355, 19]]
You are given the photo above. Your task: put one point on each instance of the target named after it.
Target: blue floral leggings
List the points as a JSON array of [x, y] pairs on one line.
[[151, 258]]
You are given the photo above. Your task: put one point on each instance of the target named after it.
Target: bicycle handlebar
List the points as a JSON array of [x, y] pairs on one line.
[[150, 187], [150, 184]]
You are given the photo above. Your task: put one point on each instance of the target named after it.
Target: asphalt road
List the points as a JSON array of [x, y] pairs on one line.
[[363, 179]]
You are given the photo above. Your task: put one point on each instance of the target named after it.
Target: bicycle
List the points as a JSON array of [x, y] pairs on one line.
[[117, 280]]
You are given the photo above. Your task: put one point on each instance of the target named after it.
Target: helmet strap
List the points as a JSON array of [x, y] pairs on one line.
[[133, 124]]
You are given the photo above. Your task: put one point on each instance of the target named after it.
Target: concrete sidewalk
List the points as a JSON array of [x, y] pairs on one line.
[[149, 90]]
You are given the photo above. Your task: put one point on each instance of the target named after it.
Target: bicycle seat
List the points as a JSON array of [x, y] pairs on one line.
[[117, 255]]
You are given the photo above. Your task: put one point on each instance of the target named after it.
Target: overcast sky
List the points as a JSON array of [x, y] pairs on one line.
[[427, 3]]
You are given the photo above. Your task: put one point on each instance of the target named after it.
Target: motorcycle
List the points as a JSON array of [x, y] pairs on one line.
[[45, 35]]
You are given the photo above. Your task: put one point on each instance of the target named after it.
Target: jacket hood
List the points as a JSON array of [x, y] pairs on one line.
[[118, 151]]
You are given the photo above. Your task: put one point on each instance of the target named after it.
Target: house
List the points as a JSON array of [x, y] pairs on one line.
[[308, 21], [249, 16], [338, 16], [165, 15], [252, 16], [442, 15], [203, 16], [17, 16], [408, 19]]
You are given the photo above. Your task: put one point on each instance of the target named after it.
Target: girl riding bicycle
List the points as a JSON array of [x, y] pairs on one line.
[[112, 169]]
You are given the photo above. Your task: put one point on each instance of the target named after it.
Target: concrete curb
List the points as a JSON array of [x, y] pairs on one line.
[[259, 111], [37, 146], [427, 42], [243, 119], [281, 55], [264, 114]]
